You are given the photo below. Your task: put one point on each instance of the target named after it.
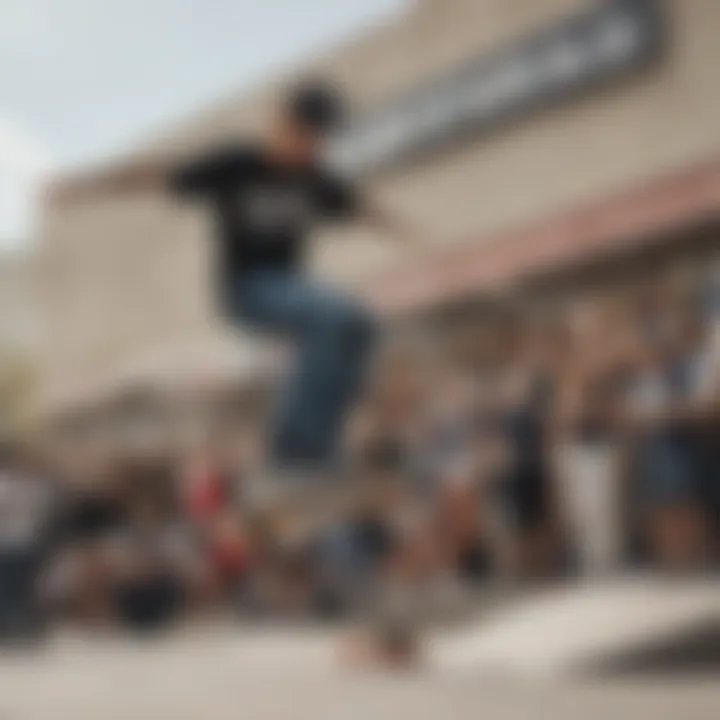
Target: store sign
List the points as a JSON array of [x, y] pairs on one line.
[[610, 40]]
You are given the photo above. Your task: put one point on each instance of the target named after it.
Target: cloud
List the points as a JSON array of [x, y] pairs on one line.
[[24, 163]]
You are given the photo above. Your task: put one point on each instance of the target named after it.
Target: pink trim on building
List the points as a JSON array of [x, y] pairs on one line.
[[625, 221]]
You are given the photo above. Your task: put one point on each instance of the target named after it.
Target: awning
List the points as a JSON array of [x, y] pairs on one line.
[[626, 221]]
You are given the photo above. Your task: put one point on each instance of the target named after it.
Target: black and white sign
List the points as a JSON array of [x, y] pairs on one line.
[[610, 40]]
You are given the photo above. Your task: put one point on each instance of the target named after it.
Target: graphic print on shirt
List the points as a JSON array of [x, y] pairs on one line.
[[272, 210]]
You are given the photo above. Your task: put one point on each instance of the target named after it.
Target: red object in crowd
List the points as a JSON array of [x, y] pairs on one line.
[[230, 557], [207, 495]]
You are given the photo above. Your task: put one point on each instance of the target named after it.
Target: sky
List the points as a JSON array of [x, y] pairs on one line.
[[80, 79]]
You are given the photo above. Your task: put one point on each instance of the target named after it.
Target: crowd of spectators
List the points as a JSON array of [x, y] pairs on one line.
[[581, 443]]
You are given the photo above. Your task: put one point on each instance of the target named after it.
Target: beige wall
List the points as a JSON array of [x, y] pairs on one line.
[[19, 318], [125, 275], [19, 336]]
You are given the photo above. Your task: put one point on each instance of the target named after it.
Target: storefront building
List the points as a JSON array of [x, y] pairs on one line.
[[524, 140]]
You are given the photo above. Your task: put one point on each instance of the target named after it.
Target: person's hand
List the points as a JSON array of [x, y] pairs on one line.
[[411, 235], [56, 192]]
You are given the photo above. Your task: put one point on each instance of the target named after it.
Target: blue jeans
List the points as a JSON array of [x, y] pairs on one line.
[[334, 337]]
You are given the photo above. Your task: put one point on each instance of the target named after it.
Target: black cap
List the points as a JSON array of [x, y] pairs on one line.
[[317, 106]]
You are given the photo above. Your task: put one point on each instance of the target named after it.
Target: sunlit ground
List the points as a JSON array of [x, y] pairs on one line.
[[221, 670]]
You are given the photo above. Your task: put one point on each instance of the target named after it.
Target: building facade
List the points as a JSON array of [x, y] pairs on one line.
[[605, 158], [20, 334]]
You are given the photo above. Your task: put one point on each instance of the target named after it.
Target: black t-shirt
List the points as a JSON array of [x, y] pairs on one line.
[[263, 208]]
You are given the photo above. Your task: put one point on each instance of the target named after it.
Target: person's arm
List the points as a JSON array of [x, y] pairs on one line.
[[683, 411], [192, 176], [147, 176], [340, 199], [388, 224]]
